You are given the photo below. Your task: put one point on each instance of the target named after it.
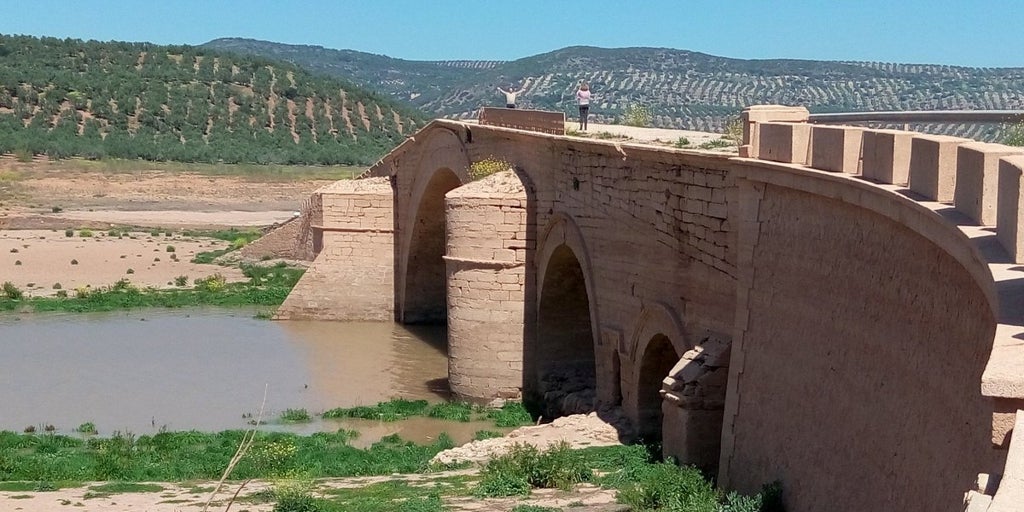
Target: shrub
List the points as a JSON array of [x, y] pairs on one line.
[[181, 280], [682, 142], [87, 428], [665, 486], [11, 291], [74, 262], [85, 233], [17, 262], [56, 209], [69, 233], [525, 468], [295, 416], [486, 167], [637, 115], [129, 271], [57, 286], [734, 131], [170, 248], [14, 249], [1014, 135], [214, 283], [63, 294]]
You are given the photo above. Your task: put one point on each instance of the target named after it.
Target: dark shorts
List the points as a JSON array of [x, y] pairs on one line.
[[510, 105], [584, 109]]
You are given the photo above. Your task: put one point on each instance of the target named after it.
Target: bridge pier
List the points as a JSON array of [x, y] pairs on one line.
[[486, 248]]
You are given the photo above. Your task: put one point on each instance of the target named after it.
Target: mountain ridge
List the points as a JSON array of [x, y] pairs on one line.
[[683, 88]]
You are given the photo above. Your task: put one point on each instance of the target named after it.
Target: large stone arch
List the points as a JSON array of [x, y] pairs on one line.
[[419, 278], [563, 352]]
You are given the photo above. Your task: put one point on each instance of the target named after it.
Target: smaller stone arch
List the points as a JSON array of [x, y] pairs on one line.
[[653, 350]]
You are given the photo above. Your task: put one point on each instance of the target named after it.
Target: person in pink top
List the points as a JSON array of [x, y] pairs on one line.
[[583, 100]]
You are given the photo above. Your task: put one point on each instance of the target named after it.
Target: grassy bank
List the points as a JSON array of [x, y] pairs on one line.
[[267, 286], [512, 414], [48, 461]]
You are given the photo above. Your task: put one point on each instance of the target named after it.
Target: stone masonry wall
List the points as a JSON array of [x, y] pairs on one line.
[[865, 341], [351, 278]]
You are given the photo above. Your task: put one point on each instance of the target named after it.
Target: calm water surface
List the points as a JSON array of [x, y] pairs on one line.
[[141, 371]]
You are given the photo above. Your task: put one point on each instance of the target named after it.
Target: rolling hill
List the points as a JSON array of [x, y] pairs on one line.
[[683, 89], [67, 97]]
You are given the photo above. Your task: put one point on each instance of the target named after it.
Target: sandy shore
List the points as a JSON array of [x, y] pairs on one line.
[[37, 261]]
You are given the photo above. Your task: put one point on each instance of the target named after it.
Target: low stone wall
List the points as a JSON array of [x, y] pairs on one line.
[[531, 120], [351, 277]]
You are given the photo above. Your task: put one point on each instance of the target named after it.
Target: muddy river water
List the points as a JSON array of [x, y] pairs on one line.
[[207, 369]]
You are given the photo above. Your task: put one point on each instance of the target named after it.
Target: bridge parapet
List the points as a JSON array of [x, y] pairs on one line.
[[974, 185]]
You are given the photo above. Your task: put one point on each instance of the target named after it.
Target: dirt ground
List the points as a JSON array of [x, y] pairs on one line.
[[40, 201]]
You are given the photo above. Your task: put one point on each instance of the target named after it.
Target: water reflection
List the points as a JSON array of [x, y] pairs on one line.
[[140, 371]]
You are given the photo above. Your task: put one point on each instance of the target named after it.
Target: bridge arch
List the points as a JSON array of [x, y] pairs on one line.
[[559, 365], [420, 276], [654, 349]]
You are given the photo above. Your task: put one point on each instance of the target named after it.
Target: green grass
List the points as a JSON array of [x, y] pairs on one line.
[[107, 489], [295, 416], [512, 414], [266, 287], [190, 455]]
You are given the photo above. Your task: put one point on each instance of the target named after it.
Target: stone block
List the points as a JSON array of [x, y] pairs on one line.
[[784, 142], [977, 179], [753, 116], [885, 156], [1009, 207], [836, 148], [933, 166]]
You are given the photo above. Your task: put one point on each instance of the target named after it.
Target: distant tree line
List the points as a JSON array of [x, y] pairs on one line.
[[66, 97]]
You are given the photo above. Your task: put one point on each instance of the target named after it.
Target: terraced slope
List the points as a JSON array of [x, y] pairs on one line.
[[683, 89], [137, 100]]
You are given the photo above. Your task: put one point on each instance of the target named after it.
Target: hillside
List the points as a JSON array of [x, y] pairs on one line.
[[683, 89], [66, 97]]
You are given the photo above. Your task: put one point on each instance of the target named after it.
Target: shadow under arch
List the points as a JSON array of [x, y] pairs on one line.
[[420, 271], [559, 363], [424, 290], [656, 361]]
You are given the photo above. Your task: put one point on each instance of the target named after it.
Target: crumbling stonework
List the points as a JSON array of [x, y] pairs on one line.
[[694, 402]]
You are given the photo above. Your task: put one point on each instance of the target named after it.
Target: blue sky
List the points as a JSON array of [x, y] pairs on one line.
[[984, 33]]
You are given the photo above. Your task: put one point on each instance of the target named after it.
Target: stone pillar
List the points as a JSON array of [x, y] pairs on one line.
[[977, 179], [350, 279], [486, 232], [886, 156], [694, 405], [754, 115], [836, 148], [1010, 207], [784, 142], [933, 166]]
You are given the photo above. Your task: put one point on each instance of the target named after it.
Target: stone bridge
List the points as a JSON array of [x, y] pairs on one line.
[[838, 309]]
